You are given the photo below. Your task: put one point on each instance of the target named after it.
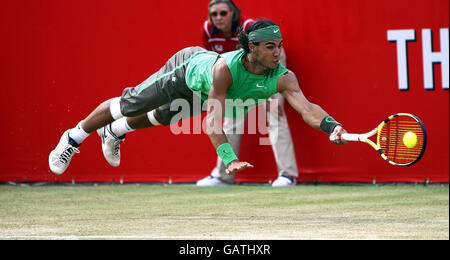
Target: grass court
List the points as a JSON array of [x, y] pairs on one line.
[[241, 212]]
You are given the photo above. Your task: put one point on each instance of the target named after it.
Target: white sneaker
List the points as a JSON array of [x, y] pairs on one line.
[[110, 145], [284, 181], [60, 158], [211, 181]]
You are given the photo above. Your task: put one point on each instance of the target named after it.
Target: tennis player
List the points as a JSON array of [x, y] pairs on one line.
[[197, 75], [220, 34]]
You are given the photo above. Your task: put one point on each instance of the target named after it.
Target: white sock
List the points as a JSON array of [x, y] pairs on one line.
[[120, 127], [78, 134]]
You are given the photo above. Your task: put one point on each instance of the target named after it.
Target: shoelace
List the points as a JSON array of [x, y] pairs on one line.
[[116, 143], [117, 147], [67, 154]]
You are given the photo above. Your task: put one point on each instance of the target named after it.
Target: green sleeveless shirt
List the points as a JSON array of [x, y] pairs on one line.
[[247, 90]]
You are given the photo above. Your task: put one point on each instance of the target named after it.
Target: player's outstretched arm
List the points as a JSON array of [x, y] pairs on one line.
[[312, 114], [222, 80]]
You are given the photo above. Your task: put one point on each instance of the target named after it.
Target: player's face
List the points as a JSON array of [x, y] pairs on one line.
[[268, 53], [221, 16]]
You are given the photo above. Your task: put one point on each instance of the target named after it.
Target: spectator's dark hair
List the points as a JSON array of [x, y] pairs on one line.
[[236, 10], [243, 38]]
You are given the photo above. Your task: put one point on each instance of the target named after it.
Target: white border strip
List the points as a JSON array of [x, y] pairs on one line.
[[134, 237]]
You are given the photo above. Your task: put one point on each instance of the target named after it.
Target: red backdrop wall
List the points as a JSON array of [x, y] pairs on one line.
[[60, 59]]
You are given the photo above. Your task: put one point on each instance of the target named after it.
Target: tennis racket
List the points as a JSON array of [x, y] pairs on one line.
[[400, 140]]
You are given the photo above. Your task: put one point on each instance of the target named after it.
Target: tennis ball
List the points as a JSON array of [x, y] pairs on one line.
[[410, 139]]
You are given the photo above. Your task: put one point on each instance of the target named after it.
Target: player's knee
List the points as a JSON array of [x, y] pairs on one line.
[[115, 109], [129, 109]]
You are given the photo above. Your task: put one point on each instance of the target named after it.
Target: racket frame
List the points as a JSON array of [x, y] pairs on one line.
[[365, 138]]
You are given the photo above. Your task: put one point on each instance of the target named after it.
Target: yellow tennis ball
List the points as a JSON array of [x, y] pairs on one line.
[[410, 139]]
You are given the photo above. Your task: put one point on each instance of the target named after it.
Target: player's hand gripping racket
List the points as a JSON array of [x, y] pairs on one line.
[[400, 140]]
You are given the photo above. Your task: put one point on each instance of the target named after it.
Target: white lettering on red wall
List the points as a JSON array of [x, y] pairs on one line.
[[429, 57]]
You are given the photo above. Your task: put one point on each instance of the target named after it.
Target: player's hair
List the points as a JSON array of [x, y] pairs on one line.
[[243, 36], [236, 10]]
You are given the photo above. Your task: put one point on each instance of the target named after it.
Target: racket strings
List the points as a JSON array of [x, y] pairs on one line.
[[391, 139]]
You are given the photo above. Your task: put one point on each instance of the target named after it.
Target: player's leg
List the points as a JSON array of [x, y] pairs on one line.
[[233, 128], [107, 116], [102, 119], [159, 89], [113, 134], [71, 140], [156, 91], [282, 145], [148, 104], [130, 112]]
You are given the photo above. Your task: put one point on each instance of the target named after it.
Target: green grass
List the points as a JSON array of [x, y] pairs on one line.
[[237, 212]]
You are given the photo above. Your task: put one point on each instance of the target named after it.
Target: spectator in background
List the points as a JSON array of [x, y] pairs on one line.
[[220, 34]]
